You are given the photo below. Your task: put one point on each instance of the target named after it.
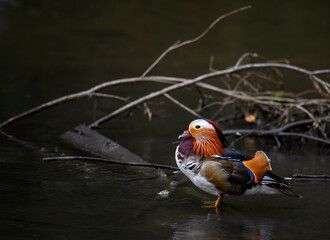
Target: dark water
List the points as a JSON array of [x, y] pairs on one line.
[[52, 48]]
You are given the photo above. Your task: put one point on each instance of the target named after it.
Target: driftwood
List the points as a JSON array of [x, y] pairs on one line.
[[93, 142]]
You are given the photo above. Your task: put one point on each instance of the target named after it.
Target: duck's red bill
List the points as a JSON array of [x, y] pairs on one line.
[[185, 134]]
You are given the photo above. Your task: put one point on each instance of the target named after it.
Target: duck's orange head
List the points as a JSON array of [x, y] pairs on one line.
[[208, 137]]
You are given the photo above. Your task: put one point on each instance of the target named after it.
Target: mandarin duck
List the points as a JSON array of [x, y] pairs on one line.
[[206, 158]]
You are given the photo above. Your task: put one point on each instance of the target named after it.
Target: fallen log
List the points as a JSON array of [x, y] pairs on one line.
[[84, 138], [91, 141]]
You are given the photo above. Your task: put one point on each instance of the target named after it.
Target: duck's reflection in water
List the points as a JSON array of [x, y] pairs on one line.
[[229, 225]]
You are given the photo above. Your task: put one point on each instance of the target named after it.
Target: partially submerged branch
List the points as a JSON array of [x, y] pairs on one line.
[[95, 159], [309, 178]]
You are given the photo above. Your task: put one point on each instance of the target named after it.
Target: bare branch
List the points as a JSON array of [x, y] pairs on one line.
[[106, 95], [325, 71], [180, 82], [308, 113], [86, 93], [302, 135], [309, 178], [178, 44], [136, 164], [147, 111], [316, 82], [182, 106], [272, 133], [281, 131], [244, 56]]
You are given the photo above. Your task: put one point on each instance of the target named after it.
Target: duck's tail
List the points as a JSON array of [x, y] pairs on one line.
[[278, 184]]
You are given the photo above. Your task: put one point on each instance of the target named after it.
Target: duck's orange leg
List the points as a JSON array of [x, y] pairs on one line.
[[219, 201], [218, 204]]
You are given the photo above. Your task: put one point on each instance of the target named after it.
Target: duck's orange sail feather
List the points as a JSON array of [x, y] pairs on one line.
[[258, 165]]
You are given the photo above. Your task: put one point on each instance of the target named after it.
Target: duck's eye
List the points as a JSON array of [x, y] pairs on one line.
[[197, 127]]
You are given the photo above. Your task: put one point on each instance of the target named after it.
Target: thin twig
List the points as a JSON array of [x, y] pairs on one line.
[[316, 82], [281, 131], [276, 130], [211, 69], [278, 143], [325, 71], [147, 111], [244, 56], [179, 44], [302, 122], [212, 104], [275, 133], [302, 135], [136, 164], [106, 95], [308, 113], [182, 106], [251, 133], [309, 178]]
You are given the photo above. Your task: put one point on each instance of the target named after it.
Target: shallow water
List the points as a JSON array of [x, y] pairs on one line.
[[52, 48]]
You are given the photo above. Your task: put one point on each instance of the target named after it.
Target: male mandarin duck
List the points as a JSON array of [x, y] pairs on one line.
[[206, 158]]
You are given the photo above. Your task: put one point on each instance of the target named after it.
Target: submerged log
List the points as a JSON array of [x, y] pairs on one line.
[[91, 141], [84, 138]]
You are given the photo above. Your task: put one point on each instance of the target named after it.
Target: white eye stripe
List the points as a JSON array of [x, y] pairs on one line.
[[201, 123]]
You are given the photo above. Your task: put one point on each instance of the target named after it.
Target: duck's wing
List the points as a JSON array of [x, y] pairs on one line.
[[228, 177], [234, 156], [237, 172]]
